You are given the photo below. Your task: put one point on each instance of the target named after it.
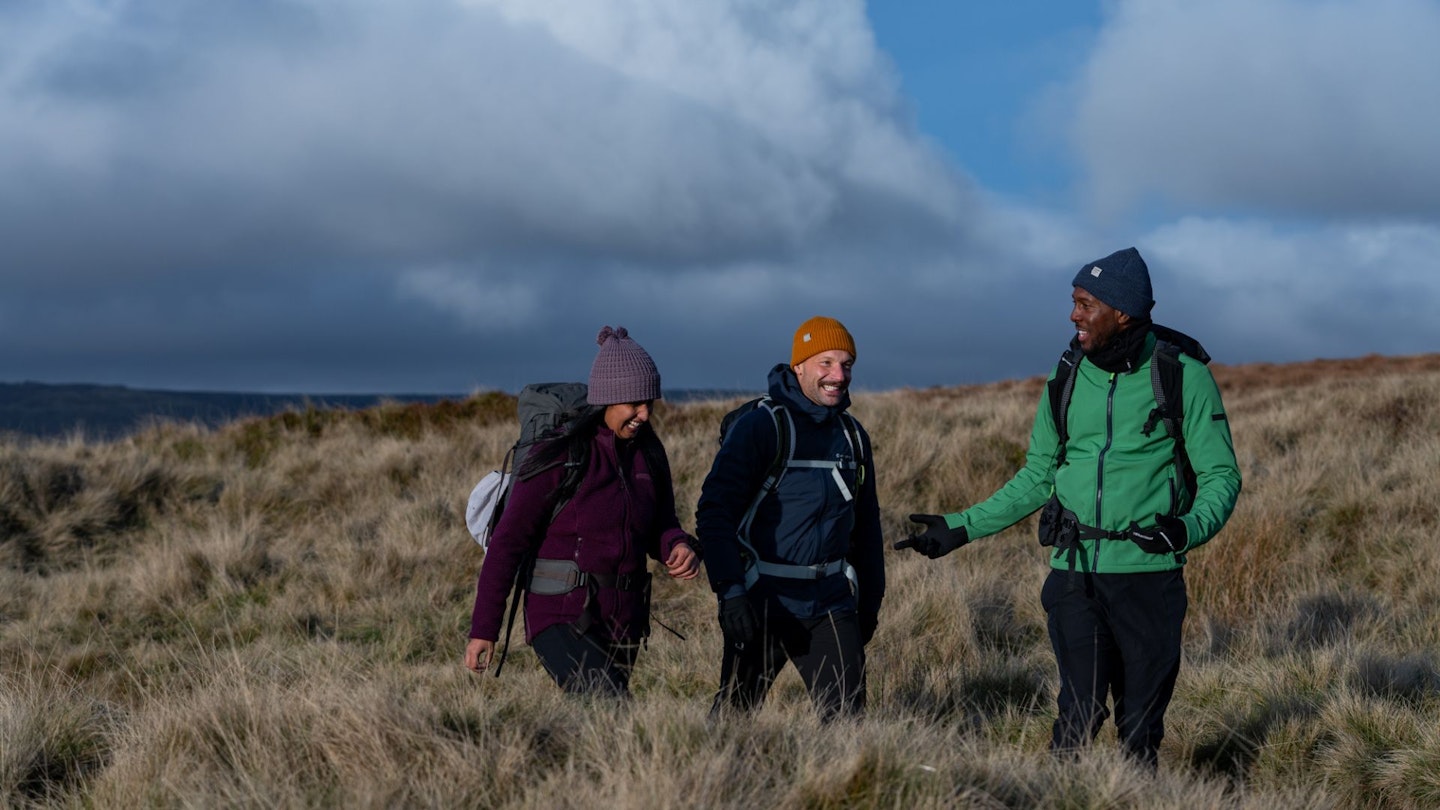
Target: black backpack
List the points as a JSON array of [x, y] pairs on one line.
[[784, 454], [784, 448], [1166, 379]]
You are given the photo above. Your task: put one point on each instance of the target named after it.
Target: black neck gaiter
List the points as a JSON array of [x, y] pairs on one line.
[[1122, 353]]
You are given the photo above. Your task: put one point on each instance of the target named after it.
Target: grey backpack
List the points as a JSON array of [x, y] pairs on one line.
[[543, 408]]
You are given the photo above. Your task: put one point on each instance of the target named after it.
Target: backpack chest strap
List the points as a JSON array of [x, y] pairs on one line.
[[834, 467]]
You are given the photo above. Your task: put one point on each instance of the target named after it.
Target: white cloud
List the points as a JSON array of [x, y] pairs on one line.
[[1260, 291], [806, 76], [638, 132], [1282, 105]]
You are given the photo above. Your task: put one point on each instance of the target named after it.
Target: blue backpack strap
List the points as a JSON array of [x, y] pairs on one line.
[[857, 447], [784, 452], [784, 442]]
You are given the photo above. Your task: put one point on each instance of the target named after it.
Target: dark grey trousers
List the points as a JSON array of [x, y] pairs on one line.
[[1115, 635], [826, 651], [585, 663]]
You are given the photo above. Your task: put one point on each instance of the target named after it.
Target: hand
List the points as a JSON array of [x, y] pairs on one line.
[[478, 654], [737, 620], [683, 563], [937, 540], [868, 622], [1167, 536]]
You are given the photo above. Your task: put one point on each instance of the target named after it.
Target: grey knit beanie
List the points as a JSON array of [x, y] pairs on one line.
[[1121, 280], [623, 371]]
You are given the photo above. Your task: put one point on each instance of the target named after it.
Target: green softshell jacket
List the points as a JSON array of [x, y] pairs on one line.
[[1113, 474]]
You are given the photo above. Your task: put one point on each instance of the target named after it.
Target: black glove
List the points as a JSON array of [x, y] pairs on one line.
[[868, 622], [1167, 536], [737, 620], [937, 540]]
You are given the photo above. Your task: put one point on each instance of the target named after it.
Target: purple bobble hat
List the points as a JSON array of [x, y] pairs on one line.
[[623, 371]]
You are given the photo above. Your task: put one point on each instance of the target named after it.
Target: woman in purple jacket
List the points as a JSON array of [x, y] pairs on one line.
[[588, 602]]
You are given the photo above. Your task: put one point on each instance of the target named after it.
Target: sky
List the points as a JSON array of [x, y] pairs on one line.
[[447, 196]]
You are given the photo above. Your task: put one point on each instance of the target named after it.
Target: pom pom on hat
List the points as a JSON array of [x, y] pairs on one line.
[[622, 371]]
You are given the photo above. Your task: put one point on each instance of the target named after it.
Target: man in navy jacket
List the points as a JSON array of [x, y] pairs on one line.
[[799, 571]]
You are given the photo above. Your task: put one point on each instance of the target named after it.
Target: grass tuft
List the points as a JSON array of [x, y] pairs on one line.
[[272, 613]]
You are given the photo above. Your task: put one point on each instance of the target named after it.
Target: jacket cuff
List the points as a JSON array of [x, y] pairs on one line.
[[674, 537]]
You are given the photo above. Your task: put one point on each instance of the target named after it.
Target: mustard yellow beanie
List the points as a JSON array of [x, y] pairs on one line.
[[820, 335]]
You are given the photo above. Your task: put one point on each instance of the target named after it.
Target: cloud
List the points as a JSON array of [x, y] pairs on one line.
[[1290, 107], [477, 302], [641, 132], [487, 161], [440, 195], [1262, 291]]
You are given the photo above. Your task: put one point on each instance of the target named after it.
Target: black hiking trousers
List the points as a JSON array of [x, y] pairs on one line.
[[1115, 635], [826, 651], [586, 663]]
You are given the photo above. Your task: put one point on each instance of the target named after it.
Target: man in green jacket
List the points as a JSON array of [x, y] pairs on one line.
[[1120, 512]]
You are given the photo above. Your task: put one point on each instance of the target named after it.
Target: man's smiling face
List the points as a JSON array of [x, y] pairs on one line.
[[1096, 322], [825, 377]]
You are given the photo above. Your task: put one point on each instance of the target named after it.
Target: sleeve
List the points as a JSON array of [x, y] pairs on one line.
[[867, 542], [1027, 491], [734, 478], [1212, 455], [521, 528]]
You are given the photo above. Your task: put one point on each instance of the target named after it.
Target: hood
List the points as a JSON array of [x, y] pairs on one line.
[[785, 389]]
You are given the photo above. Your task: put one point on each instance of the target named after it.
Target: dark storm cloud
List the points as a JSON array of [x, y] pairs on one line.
[[443, 195], [390, 197]]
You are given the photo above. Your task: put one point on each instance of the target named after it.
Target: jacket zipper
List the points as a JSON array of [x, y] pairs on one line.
[[628, 532], [1100, 468]]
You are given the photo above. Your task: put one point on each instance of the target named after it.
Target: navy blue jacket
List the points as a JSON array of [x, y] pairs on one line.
[[806, 520]]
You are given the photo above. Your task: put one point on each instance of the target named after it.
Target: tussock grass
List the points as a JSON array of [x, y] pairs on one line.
[[272, 614]]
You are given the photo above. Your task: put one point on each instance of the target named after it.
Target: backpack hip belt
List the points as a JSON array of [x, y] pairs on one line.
[[784, 571], [559, 577], [1061, 528], [1097, 533]]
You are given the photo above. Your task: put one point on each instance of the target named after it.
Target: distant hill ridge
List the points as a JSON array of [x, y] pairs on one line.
[[45, 410], [109, 411]]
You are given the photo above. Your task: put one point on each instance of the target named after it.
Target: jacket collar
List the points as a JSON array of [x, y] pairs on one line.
[[785, 389], [1126, 352]]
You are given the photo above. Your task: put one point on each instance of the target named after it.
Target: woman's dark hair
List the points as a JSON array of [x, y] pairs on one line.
[[571, 444], [558, 447]]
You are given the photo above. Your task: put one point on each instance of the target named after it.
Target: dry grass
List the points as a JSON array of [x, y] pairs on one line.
[[271, 614]]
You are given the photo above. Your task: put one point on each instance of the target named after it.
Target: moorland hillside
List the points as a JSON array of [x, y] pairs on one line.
[[272, 613]]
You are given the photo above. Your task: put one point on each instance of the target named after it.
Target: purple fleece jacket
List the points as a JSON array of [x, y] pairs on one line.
[[610, 525]]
